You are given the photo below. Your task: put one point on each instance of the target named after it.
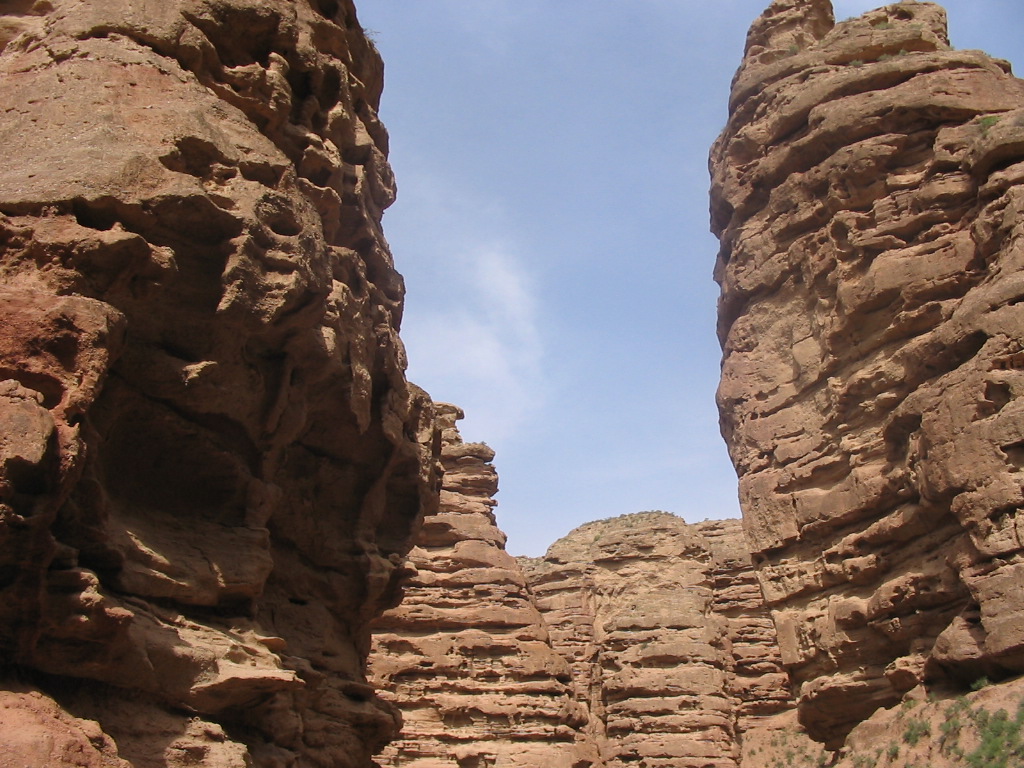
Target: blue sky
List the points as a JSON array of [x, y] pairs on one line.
[[552, 228]]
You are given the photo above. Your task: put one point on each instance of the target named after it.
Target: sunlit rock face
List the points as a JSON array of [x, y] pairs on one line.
[[210, 460], [466, 657], [867, 194], [672, 650]]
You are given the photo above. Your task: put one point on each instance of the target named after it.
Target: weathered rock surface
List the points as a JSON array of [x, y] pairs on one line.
[[983, 729], [466, 656], [672, 650], [867, 193], [37, 733], [210, 460]]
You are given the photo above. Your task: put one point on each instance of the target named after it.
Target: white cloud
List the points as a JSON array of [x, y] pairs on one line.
[[482, 348], [472, 324]]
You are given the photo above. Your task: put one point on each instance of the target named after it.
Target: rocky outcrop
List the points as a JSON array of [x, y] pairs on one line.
[[466, 656], [981, 729], [210, 462], [672, 650], [867, 193]]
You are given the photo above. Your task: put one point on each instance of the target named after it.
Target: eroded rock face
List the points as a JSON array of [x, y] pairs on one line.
[[38, 733], [210, 460], [466, 656], [867, 194], [672, 650], [974, 728]]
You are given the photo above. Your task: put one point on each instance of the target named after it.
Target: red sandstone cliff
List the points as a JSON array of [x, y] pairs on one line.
[[466, 657], [210, 463], [867, 192]]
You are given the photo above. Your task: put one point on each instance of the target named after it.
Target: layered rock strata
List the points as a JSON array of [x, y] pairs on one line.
[[672, 650], [210, 460], [867, 193], [466, 656]]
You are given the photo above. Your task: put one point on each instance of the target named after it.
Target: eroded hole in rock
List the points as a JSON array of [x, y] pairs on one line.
[[319, 175], [356, 155], [1014, 453], [222, 25], [330, 88], [26, 478], [194, 217], [395, 525], [264, 173], [997, 395], [177, 351], [279, 217], [20, 8], [1004, 160], [227, 606], [458, 720], [153, 459], [301, 82], [194, 156], [50, 388], [94, 214], [1004, 515], [1012, 362], [949, 357], [897, 435], [326, 8]]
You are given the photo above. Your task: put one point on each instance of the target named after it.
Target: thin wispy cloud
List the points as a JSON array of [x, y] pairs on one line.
[[472, 325], [483, 351]]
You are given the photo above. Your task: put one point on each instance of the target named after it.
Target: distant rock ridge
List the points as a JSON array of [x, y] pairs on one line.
[[673, 652], [867, 192], [635, 641], [211, 463]]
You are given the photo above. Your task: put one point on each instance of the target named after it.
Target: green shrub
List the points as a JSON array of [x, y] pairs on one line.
[[916, 729], [986, 122], [1000, 740]]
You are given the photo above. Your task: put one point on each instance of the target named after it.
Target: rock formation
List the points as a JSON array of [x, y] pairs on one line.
[[867, 193], [672, 650], [983, 728], [211, 463], [466, 656]]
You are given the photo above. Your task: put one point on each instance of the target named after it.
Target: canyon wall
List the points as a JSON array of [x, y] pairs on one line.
[[636, 641], [211, 464], [867, 194], [672, 651], [466, 656]]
